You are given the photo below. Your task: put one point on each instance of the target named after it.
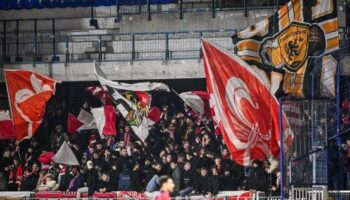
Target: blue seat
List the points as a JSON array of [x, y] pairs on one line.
[[46, 4], [102, 3], [83, 3], [3, 5], [12, 4], [132, 2], [35, 4], [69, 3], [23, 4], [57, 4]]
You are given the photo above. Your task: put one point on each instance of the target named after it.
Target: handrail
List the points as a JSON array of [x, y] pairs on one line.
[[74, 48]]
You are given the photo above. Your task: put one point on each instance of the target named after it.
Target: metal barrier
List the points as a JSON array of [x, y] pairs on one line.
[[109, 47], [339, 195], [309, 193]]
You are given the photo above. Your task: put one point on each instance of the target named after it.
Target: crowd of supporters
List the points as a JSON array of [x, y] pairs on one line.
[[182, 144]]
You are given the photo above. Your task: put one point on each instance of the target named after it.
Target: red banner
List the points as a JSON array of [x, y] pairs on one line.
[[246, 112], [28, 93]]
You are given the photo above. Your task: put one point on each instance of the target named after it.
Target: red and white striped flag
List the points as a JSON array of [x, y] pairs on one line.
[[105, 118]]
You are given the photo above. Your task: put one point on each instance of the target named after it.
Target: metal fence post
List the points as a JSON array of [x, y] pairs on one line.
[[34, 50], [117, 19], [17, 59], [67, 48], [35, 47], [133, 53], [55, 58], [93, 21], [4, 56], [35, 42], [245, 8], [213, 8], [99, 48], [313, 128], [167, 52], [149, 10], [281, 149], [140, 7], [181, 9], [200, 41], [338, 122]]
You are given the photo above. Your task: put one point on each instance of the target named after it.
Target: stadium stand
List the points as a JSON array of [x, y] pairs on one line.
[[41, 41]]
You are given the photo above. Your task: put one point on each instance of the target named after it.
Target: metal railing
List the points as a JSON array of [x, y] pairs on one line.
[[339, 195], [309, 193], [108, 47]]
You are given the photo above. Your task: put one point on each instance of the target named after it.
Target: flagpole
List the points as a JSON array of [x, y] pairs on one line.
[[281, 149]]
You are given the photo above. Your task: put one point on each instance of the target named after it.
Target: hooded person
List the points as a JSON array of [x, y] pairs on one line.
[[91, 180], [258, 178]]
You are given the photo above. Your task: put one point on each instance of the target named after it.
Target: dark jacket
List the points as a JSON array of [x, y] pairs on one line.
[[214, 184], [29, 182], [202, 185], [79, 182], [228, 183], [114, 176], [136, 180], [258, 180], [65, 180], [91, 180], [177, 177], [188, 179], [107, 185], [124, 163]]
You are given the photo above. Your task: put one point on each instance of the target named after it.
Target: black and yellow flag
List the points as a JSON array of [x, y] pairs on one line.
[[301, 39]]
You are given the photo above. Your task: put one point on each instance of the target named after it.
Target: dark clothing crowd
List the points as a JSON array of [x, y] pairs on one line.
[[182, 145]]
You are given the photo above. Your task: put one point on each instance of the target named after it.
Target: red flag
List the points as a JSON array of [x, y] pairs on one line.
[[73, 124], [46, 157], [144, 98], [6, 126], [6, 130], [28, 93], [153, 115], [99, 93], [84, 121], [105, 118], [246, 112], [197, 100]]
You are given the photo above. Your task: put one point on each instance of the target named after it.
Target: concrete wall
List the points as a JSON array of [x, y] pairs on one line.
[[138, 70]]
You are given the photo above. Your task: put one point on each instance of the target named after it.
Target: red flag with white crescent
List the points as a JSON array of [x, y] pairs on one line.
[[246, 112]]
